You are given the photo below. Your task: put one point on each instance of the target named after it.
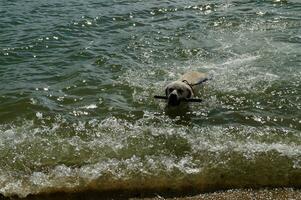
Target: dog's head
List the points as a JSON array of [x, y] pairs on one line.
[[177, 91]]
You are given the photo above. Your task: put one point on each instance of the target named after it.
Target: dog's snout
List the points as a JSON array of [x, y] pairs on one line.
[[173, 96], [173, 99]]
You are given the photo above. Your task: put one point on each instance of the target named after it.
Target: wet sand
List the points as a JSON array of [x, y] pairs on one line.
[[248, 194], [239, 194]]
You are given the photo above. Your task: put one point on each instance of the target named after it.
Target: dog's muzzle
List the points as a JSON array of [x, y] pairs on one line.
[[173, 100]]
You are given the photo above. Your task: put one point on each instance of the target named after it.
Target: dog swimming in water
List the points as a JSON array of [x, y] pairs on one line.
[[184, 89]]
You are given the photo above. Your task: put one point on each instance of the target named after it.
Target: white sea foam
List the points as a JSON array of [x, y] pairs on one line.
[[123, 150], [91, 106]]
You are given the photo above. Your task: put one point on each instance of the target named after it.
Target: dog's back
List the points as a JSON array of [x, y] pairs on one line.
[[194, 79]]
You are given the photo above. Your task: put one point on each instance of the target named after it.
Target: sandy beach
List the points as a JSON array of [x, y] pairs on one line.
[[239, 194], [248, 194]]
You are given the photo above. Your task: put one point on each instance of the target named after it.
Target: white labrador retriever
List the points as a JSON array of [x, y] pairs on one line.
[[185, 88]]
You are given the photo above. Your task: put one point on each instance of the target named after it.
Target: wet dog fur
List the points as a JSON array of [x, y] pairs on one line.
[[184, 88]]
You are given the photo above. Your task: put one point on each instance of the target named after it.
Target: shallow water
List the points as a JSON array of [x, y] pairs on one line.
[[77, 85]]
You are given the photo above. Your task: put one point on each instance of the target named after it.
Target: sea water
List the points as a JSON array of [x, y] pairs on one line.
[[77, 80]]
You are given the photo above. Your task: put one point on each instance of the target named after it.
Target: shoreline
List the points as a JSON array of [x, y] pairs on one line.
[[244, 194], [231, 194]]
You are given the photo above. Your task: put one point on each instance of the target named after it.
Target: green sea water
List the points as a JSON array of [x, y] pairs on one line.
[[77, 80]]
